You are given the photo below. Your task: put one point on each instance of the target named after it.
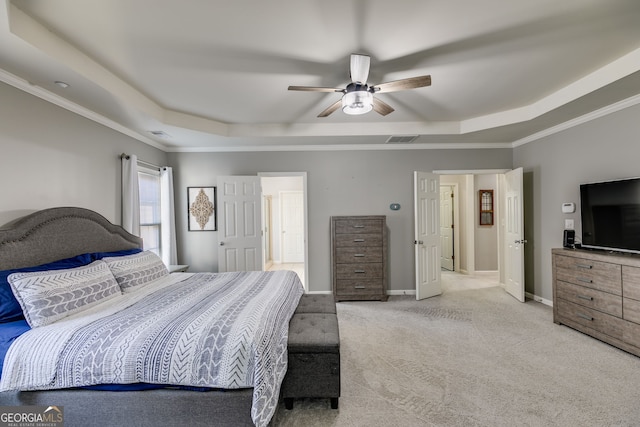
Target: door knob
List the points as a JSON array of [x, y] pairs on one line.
[[221, 243]]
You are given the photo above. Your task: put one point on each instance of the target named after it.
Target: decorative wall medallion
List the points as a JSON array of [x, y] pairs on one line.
[[202, 208]]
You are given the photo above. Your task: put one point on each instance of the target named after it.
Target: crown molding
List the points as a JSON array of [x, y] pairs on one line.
[[62, 102]]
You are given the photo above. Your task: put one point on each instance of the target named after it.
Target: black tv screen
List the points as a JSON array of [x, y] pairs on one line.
[[610, 214]]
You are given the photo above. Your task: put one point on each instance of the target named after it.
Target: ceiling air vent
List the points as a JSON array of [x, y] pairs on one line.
[[159, 133], [401, 139]]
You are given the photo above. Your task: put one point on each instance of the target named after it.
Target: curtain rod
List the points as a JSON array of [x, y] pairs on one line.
[[142, 162]]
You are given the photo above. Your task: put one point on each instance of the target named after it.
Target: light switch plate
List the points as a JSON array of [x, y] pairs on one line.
[[568, 224]]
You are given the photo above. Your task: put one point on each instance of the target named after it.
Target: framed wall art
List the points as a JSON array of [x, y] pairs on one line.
[[486, 207], [201, 208]]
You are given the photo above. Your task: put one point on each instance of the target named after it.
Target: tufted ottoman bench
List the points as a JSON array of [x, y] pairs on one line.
[[314, 355], [316, 303]]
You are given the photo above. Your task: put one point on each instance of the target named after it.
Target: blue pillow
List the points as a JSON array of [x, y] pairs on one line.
[[99, 255], [9, 307]]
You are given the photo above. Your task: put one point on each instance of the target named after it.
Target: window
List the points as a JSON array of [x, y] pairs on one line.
[[149, 184]]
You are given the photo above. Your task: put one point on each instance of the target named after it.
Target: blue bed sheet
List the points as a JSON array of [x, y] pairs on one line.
[[8, 333]]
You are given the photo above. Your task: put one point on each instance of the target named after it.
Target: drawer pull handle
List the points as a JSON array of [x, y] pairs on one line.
[[585, 317], [585, 280], [585, 297], [360, 287], [586, 266], [358, 240], [358, 255], [359, 271], [358, 226]]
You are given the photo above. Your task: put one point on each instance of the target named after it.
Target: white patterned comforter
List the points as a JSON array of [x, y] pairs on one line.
[[226, 330]]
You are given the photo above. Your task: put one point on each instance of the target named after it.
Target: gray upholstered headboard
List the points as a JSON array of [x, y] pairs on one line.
[[57, 233]]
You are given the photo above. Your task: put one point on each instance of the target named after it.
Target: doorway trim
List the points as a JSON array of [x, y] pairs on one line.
[[306, 216], [283, 239]]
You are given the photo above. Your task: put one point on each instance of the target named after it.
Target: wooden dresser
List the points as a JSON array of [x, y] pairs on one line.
[[359, 257], [599, 294]]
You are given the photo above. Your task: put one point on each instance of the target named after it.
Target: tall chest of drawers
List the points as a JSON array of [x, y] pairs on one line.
[[598, 294], [359, 257]]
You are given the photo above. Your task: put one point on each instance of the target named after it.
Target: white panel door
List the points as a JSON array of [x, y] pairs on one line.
[[427, 234], [292, 214], [514, 235], [239, 220], [446, 227]]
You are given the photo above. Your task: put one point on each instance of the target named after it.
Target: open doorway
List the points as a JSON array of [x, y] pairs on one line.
[[284, 222], [475, 248], [448, 225]]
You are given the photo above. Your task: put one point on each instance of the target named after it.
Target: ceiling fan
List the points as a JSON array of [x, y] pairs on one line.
[[358, 97]]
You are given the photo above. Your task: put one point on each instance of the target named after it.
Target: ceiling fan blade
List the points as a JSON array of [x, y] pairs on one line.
[[360, 68], [381, 107], [403, 84], [331, 108], [316, 89]]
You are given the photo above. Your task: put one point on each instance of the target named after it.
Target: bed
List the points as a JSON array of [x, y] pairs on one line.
[[103, 330]]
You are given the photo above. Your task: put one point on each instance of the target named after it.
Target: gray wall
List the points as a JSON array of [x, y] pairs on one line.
[[602, 149], [338, 183], [51, 157]]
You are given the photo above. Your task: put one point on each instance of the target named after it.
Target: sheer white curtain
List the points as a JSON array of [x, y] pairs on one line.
[[130, 194], [167, 213]]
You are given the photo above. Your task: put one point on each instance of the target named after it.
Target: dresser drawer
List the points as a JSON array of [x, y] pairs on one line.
[[631, 282], [601, 322], [588, 279], [358, 287], [359, 255], [598, 300], [359, 271], [593, 274], [358, 226], [357, 240], [631, 310], [632, 334]]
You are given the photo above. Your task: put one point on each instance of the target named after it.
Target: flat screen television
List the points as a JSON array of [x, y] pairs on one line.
[[610, 213]]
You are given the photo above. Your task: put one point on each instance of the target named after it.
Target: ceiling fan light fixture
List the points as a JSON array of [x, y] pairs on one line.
[[357, 102]]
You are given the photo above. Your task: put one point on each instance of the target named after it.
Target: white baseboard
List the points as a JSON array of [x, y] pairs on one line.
[[413, 292], [539, 299], [401, 292]]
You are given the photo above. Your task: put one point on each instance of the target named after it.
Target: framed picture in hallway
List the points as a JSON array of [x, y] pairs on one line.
[[486, 207], [201, 208]]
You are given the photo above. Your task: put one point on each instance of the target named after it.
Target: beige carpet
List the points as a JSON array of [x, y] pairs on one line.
[[473, 356]]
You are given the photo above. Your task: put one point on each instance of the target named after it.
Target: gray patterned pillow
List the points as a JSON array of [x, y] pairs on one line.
[[137, 269], [48, 296]]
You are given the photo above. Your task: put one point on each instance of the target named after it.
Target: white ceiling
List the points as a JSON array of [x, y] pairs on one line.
[[213, 74]]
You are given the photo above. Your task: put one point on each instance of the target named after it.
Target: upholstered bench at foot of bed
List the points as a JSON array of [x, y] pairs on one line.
[[314, 358], [316, 303]]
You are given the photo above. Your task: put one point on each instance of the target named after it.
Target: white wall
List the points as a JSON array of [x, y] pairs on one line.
[[272, 186], [51, 157], [554, 167]]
